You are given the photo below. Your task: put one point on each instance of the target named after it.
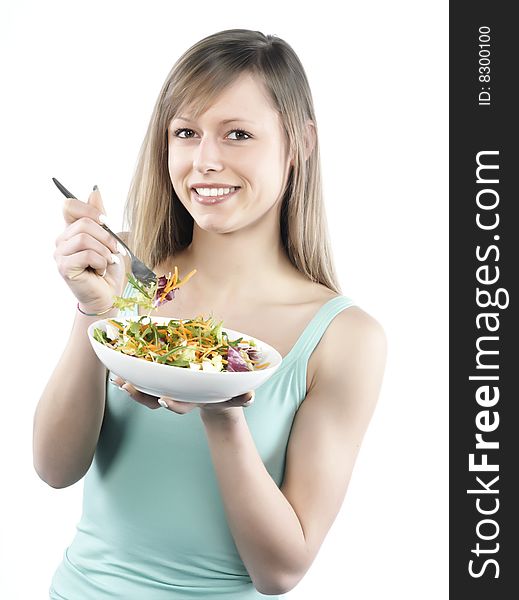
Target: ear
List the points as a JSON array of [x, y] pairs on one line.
[[310, 139]]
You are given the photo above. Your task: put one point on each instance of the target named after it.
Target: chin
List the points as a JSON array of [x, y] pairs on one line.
[[213, 226]]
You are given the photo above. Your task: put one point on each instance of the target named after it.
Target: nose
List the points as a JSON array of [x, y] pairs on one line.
[[207, 156]]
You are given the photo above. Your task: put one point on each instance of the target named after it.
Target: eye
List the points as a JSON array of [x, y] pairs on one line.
[[179, 131], [185, 133], [240, 132]]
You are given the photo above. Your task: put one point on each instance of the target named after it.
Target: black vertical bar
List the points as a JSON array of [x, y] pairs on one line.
[[484, 251]]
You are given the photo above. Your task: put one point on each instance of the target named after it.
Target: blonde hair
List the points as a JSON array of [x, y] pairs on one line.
[[159, 224]]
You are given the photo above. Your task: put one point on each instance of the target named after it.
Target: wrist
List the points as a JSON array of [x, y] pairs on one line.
[[213, 416], [91, 311]]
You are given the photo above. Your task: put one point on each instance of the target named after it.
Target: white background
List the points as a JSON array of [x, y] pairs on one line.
[[79, 83]]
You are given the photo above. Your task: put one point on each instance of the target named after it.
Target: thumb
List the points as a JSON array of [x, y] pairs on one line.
[[95, 200]]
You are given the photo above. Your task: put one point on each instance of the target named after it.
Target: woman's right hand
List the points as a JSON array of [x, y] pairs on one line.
[[87, 255]]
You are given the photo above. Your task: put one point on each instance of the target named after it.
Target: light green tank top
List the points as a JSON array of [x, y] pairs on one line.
[[153, 525]]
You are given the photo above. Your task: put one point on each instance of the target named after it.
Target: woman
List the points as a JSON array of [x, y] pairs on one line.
[[213, 501]]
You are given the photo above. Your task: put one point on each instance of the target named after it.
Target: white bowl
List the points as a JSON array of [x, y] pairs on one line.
[[182, 383]]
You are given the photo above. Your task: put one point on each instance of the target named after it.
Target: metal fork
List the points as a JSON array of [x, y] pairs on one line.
[[140, 271]]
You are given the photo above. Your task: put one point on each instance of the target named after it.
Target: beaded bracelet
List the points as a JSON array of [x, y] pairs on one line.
[[94, 314]]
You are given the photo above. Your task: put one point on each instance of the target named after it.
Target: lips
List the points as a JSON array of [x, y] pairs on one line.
[[212, 200]]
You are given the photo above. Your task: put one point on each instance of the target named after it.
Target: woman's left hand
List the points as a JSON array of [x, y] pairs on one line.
[[180, 407]]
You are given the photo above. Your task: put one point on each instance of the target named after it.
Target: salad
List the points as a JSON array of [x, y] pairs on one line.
[[199, 343], [152, 296]]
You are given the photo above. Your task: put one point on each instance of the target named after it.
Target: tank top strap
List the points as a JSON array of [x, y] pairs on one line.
[[128, 313], [315, 329], [318, 325]]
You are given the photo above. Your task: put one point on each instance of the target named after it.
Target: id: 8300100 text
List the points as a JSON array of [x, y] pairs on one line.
[[484, 66]]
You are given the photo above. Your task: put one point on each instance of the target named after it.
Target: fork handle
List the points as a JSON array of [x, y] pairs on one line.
[[106, 228], [68, 194]]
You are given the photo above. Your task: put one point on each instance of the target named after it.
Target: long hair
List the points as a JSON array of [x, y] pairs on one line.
[[159, 225]]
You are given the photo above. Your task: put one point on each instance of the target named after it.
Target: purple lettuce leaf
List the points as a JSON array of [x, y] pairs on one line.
[[235, 361], [253, 353], [161, 285]]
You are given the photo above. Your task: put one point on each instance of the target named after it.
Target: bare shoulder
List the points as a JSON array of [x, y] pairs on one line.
[[352, 353], [351, 328]]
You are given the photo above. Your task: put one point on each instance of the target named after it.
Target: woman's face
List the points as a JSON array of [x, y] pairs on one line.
[[238, 142]]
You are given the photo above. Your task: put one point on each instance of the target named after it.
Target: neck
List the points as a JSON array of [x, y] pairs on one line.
[[243, 265]]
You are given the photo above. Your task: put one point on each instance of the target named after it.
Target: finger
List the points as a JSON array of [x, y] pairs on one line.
[[84, 241], [177, 406], [71, 267], [140, 397], [86, 226], [250, 400], [74, 209], [96, 200], [242, 400]]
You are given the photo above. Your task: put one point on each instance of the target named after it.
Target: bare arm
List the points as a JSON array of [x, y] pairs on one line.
[[69, 414], [278, 532]]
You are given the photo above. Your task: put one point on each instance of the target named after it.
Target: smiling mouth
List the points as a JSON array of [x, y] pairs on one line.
[[210, 199]]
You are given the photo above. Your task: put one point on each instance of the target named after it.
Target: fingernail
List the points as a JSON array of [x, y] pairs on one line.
[[250, 400], [115, 259], [95, 188], [162, 402], [120, 248], [113, 382], [103, 219]]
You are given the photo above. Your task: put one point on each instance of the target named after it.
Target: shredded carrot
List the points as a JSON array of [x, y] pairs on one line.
[[186, 278], [209, 350], [165, 343], [263, 366]]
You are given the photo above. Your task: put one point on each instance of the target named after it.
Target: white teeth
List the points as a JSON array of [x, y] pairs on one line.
[[215, 191]]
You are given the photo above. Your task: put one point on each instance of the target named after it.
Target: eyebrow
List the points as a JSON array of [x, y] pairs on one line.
[[222, 122]]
